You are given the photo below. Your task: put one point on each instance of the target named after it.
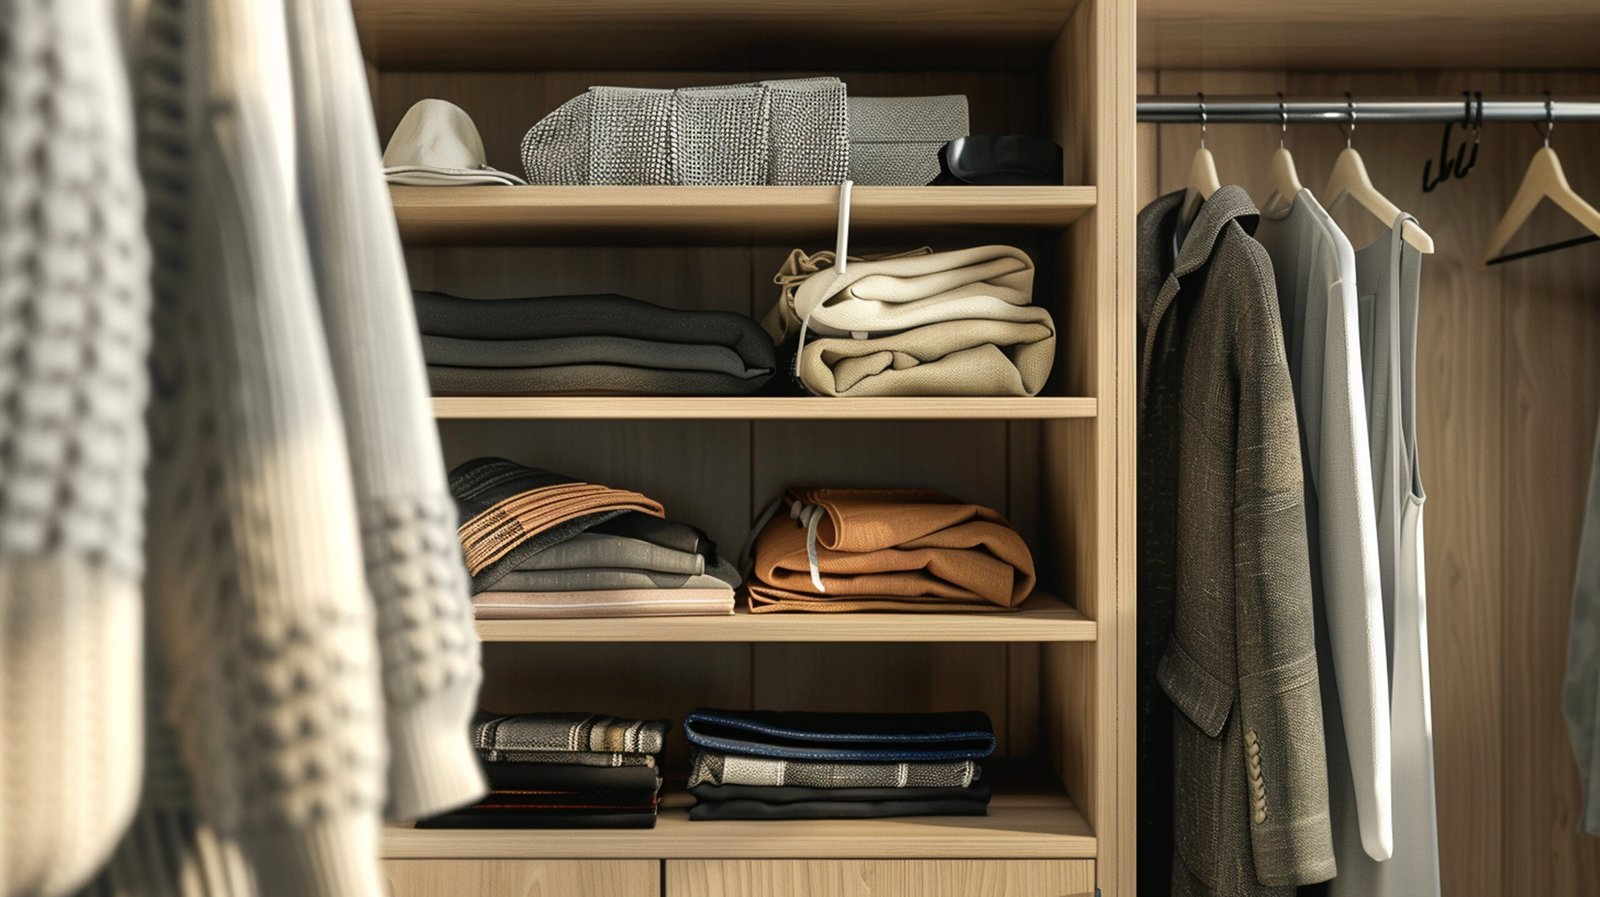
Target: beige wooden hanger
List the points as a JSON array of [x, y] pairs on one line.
[[1282, 179], [1203, 180], [1351, 181], [1545, 180]]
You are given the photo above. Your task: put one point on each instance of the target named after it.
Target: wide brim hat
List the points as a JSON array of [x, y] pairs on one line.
[[437, 145]]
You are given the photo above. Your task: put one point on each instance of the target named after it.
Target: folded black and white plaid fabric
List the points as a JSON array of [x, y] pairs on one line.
[[716, 768], [567, 733]]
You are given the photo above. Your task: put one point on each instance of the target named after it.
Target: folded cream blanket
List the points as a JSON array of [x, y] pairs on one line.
[[950, 358]]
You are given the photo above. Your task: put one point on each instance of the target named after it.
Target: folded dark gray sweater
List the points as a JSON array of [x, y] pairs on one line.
[[598, 343]]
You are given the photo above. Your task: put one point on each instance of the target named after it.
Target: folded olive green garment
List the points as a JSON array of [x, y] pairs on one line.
[[590, 550], [949, 358], [606, 578]]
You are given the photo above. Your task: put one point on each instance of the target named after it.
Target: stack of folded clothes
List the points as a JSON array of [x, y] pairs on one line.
[[760, 764], [539, 544], [887, 549], [588, 344], [918, 323], [564, 770]]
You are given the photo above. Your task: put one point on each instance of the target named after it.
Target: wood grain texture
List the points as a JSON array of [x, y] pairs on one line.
[[1044, 618], [809, 34], [1020, 825], [706, 215], [1368, 34], [523, 878], [1552, 394], [880, 878], [1041, 407]]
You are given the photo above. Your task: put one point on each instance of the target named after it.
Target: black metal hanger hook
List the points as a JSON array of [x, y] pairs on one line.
[[1472, 118]]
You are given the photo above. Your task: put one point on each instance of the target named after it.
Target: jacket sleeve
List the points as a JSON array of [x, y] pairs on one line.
[[1279, 699], [1352, 585]]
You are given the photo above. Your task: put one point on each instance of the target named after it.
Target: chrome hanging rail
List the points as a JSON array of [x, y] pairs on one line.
[[1267, 111]]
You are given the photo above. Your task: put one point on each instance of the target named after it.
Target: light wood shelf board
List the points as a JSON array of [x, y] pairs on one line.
[[759, 408], [1019, 826], [1044, 618], [740, 215]]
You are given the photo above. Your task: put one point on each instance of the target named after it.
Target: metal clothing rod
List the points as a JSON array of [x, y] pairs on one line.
[[1266, 110]]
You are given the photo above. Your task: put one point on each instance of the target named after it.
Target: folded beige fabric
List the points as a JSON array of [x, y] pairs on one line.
[[888, 294], [950, 358], [609, 603]]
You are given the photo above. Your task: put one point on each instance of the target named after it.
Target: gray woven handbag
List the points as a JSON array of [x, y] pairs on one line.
[[792, 132]]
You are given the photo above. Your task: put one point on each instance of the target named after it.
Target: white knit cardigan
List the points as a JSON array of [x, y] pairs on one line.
[[74, 330], [313, 636]]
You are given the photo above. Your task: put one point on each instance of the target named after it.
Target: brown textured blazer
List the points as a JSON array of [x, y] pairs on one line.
[[1250, 798]]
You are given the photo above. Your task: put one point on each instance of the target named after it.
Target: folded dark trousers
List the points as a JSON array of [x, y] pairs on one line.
[[788, 794], [632, 799], [825, 809], [599, 343], [570, 777], [520, 818], [844, 737]]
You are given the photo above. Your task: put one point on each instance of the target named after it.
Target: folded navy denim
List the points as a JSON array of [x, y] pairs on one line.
[[812, 809], [793, 794], [846, 737]]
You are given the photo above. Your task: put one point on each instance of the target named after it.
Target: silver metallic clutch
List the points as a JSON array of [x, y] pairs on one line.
[[793, 131]]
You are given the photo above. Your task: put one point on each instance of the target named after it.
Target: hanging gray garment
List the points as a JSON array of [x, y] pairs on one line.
[[1388, 279], [1580, 696], [1315, 269]]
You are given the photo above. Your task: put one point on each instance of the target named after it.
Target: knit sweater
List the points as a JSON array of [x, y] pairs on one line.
[[275, 529], [74, 330]]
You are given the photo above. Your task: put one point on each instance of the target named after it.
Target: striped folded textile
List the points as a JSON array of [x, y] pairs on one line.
[[567, 733], [603, 603], [717, 768]]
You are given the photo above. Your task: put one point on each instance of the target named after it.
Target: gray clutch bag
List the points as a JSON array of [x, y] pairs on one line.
[[897, 140], [792, 131]]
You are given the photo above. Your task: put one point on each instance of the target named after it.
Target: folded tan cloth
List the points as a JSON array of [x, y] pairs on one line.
[[888, 549], [887, 294], [488, 536], [950, 358], [607, 603]]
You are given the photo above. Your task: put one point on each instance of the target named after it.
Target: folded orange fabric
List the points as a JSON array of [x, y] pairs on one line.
[[888, 549], [488, 536]]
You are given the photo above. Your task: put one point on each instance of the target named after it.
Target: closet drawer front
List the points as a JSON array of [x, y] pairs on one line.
[[523, 878], [880, 878]]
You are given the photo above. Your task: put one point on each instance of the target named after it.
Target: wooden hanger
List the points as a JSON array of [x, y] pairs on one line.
[[1203, 180], [1545, 180], [1282, 179], [1351, 181]]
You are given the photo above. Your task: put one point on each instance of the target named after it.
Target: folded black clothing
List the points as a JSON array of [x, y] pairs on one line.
[[520, 818], [570, 777], [788, 794], [843, 737], [602, 342], [632, 799], [828, 809], [660, 531]]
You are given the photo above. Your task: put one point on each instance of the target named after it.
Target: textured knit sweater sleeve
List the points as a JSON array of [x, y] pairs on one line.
[[256, 586], [74, 328], [413, 561], [1279, 696]]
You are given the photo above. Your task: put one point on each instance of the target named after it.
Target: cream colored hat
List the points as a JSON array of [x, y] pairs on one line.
[[437, 145]]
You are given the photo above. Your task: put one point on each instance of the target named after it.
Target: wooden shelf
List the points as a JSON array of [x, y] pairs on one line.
[[814, 35], [1019, 825], [1369, 34], [1044, 618], [699, 215], [758, 408]]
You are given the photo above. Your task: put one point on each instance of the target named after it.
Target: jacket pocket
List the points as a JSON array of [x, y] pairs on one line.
[[1204, 704]]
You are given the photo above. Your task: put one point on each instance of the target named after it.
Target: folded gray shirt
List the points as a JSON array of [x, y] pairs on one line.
[[590, 551], [605, 578]]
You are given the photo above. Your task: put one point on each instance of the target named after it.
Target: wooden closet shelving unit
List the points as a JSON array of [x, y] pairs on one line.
[[1055, 677]]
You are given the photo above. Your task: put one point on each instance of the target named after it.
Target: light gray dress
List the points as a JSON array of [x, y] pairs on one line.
[[1580, 697]]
